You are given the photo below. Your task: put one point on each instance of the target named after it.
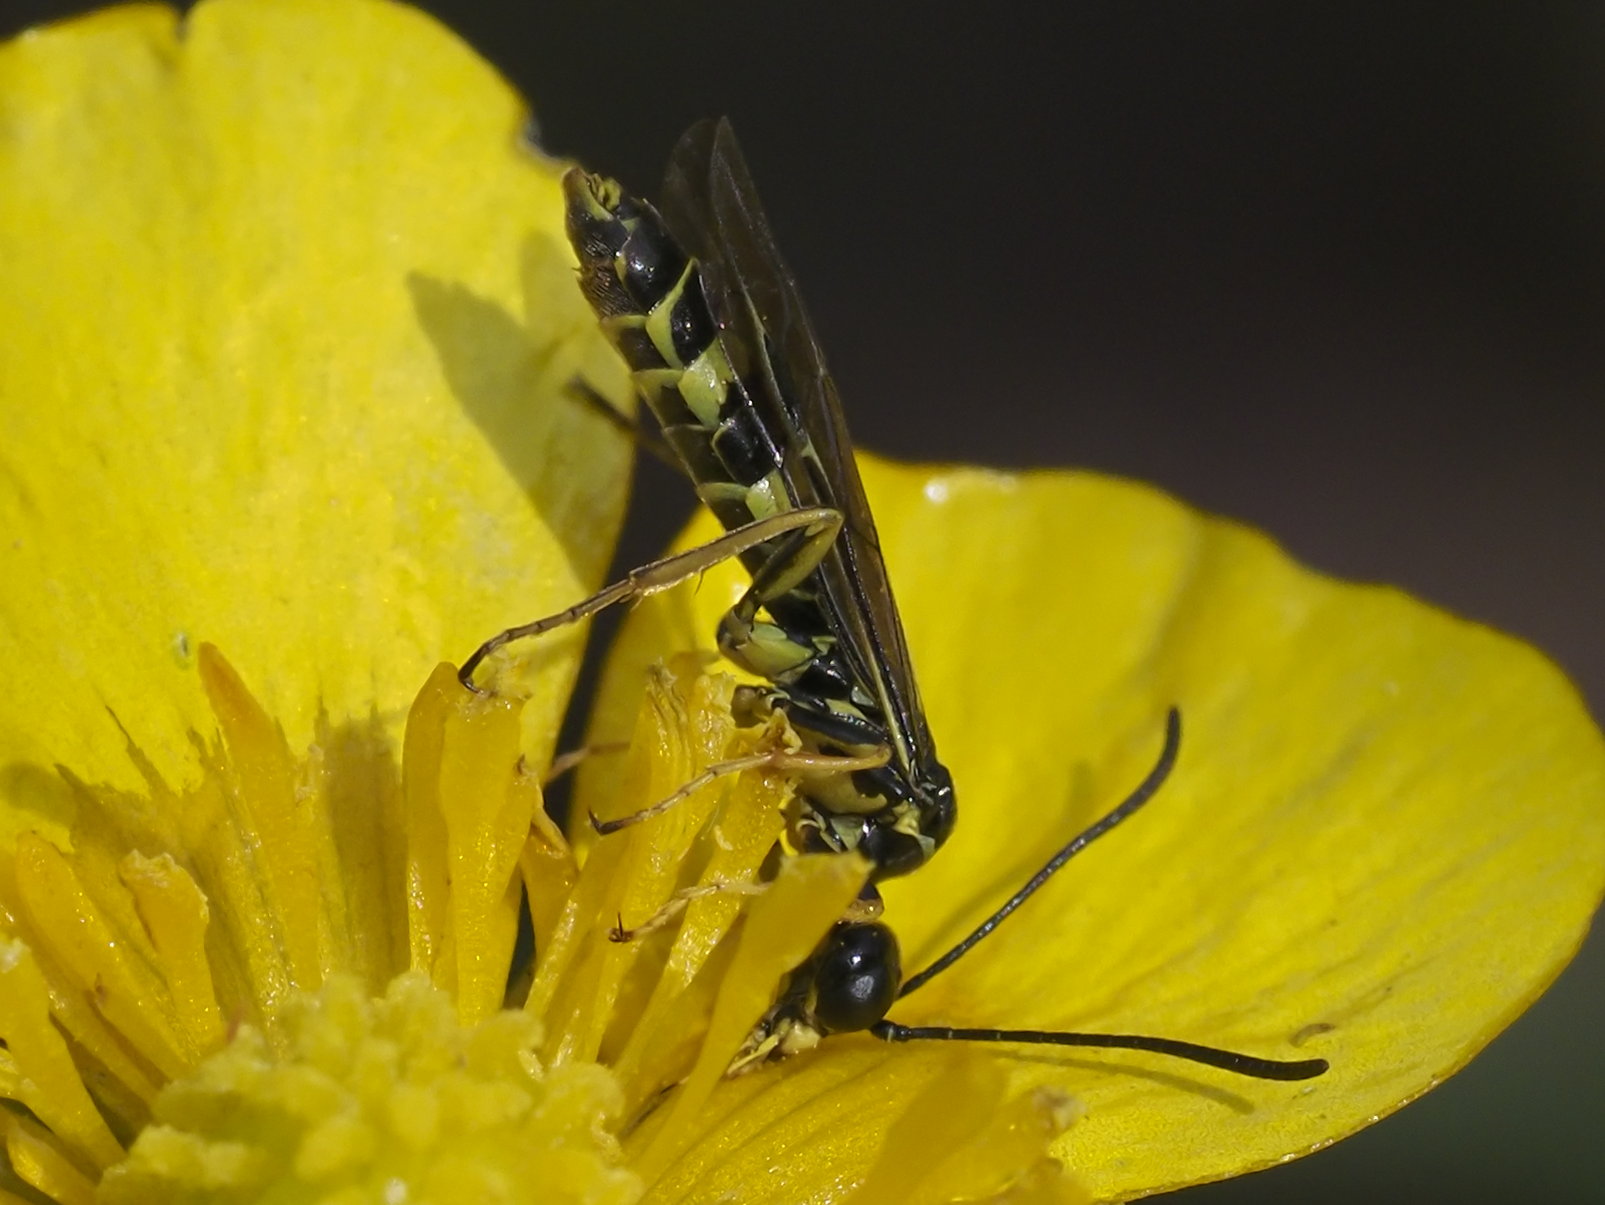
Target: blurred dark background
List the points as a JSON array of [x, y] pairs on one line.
[[1335, 270]]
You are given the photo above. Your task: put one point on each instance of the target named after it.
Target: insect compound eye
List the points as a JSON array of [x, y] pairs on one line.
[[857, 972]]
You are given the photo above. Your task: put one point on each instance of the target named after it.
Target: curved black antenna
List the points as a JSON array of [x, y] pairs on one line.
[[1144, 792], [1212, 1056]]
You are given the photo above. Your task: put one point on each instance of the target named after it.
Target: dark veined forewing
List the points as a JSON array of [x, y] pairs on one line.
[[710, 205]]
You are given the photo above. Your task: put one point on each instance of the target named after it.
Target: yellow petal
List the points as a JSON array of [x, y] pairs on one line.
[[826, 1125], [1383, 840], [962, 1119], [782, 929], [287, 323]]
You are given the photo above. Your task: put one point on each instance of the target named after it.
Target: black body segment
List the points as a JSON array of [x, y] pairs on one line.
[[702, 309]]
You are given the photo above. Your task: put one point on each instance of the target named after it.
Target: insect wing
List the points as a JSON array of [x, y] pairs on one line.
[[712, 208]]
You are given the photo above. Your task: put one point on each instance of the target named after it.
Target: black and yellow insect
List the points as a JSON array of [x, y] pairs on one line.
[[703, 310]]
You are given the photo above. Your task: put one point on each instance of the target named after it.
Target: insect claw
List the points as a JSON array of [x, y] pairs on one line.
[[466, 671]]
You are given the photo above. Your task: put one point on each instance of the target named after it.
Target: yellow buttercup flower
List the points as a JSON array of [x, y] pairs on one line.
[[287, 321]]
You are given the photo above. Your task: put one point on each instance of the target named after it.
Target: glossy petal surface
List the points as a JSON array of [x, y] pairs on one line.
[[287, 318], [1385, 835]]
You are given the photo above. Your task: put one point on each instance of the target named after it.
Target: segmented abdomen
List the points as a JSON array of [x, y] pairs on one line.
[[648, 294]]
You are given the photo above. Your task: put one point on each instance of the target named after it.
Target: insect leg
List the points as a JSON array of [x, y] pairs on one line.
[[677, 903], [782, 760], [661, 575], [564, 762], [646, 438], [765, 648]]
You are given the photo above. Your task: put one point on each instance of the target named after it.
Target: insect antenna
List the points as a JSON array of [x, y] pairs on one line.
[[1144, 791], [1212, 1056], [1226, 1060]]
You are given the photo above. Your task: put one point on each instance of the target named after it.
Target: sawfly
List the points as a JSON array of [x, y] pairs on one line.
[[697, 300]]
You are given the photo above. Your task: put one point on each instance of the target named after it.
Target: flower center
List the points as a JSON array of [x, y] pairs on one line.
[[275, 986], [388, 1100]]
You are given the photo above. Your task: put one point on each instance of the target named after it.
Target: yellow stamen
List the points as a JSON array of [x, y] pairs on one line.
[[193, 979], [389, 1099]]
